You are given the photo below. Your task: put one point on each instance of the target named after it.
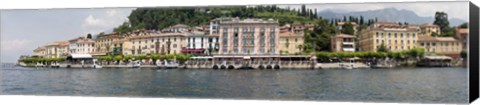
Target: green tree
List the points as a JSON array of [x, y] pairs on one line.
[[441, 19], [464, 54], [382, 48], [348, 28], [89, 36], [155, 57], [464, 25], [118, 58]]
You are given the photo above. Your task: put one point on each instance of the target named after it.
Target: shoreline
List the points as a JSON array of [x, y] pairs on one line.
[[193, 67]]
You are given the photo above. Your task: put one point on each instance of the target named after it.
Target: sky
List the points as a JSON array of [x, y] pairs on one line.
[[425, 9], [22, 31]]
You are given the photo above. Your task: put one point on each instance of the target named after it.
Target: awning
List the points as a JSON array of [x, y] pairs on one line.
[[80, 56], [193, 50]]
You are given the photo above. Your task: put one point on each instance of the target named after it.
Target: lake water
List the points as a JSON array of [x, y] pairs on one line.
[[413, 85]]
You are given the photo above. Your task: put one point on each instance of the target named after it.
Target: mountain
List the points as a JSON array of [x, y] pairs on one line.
[[387, 14]]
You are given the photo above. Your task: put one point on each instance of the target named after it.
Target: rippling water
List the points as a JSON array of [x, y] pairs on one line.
[[418, 85]]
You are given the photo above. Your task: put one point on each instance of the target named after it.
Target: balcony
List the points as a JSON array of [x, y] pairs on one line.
[[348, 43], [349, 49]]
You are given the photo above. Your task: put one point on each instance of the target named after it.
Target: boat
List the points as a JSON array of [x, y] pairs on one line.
[[137, 64], [382, 66], [347, 66], [95, 66], [168, 65]]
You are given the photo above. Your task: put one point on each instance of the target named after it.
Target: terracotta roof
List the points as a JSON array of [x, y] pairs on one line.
[[81, 39], [430, 38], [39, 49], [394, 29], [344, 36], [156, 35], [428, 25], [462, 30], [63, 43], [247, 21]]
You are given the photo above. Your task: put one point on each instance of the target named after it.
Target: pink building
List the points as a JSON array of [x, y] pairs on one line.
[[248, 36]]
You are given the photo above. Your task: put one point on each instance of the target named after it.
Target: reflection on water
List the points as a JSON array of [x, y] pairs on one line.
[[426, 85]]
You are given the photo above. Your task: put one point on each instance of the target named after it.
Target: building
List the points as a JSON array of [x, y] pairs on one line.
[[393, 36], [249, 36], [176, 29], [429, 29], [81, 45], [342, 43], [297, 28], [215, 22], [103, 44], [40, 52], [354, 24], [198, 43], [121, 47], [156, 43], [310, 26], [440, 45], [57, 49], [291, 43], [462, 35]]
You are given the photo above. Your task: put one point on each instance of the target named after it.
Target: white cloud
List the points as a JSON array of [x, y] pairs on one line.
[[92, 21], [103, 21]]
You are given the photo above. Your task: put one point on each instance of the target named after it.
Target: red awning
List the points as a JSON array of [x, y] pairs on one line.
[[193, 50]]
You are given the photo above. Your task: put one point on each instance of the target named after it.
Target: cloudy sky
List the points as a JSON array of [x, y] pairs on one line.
[[24, 30], [425, 9]]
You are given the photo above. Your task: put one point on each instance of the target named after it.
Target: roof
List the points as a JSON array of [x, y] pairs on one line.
[[442, 39], [250, 21], [60, 43], [341, 23], [344, 36], [39, 49], [385, 23], [394, 29], [462, 30], [291, 34], [428, 25], [156, 35]]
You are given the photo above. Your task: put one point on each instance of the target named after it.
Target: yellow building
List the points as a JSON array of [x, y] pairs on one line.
[[440, 45], [393, 36], [40, 52], [342, 43], [155, 43], [291, 43], [462, 35], [429, 29], [103, 44], [57, 50]]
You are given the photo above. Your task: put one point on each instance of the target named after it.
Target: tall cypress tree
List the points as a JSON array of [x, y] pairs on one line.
[[361, 20]]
